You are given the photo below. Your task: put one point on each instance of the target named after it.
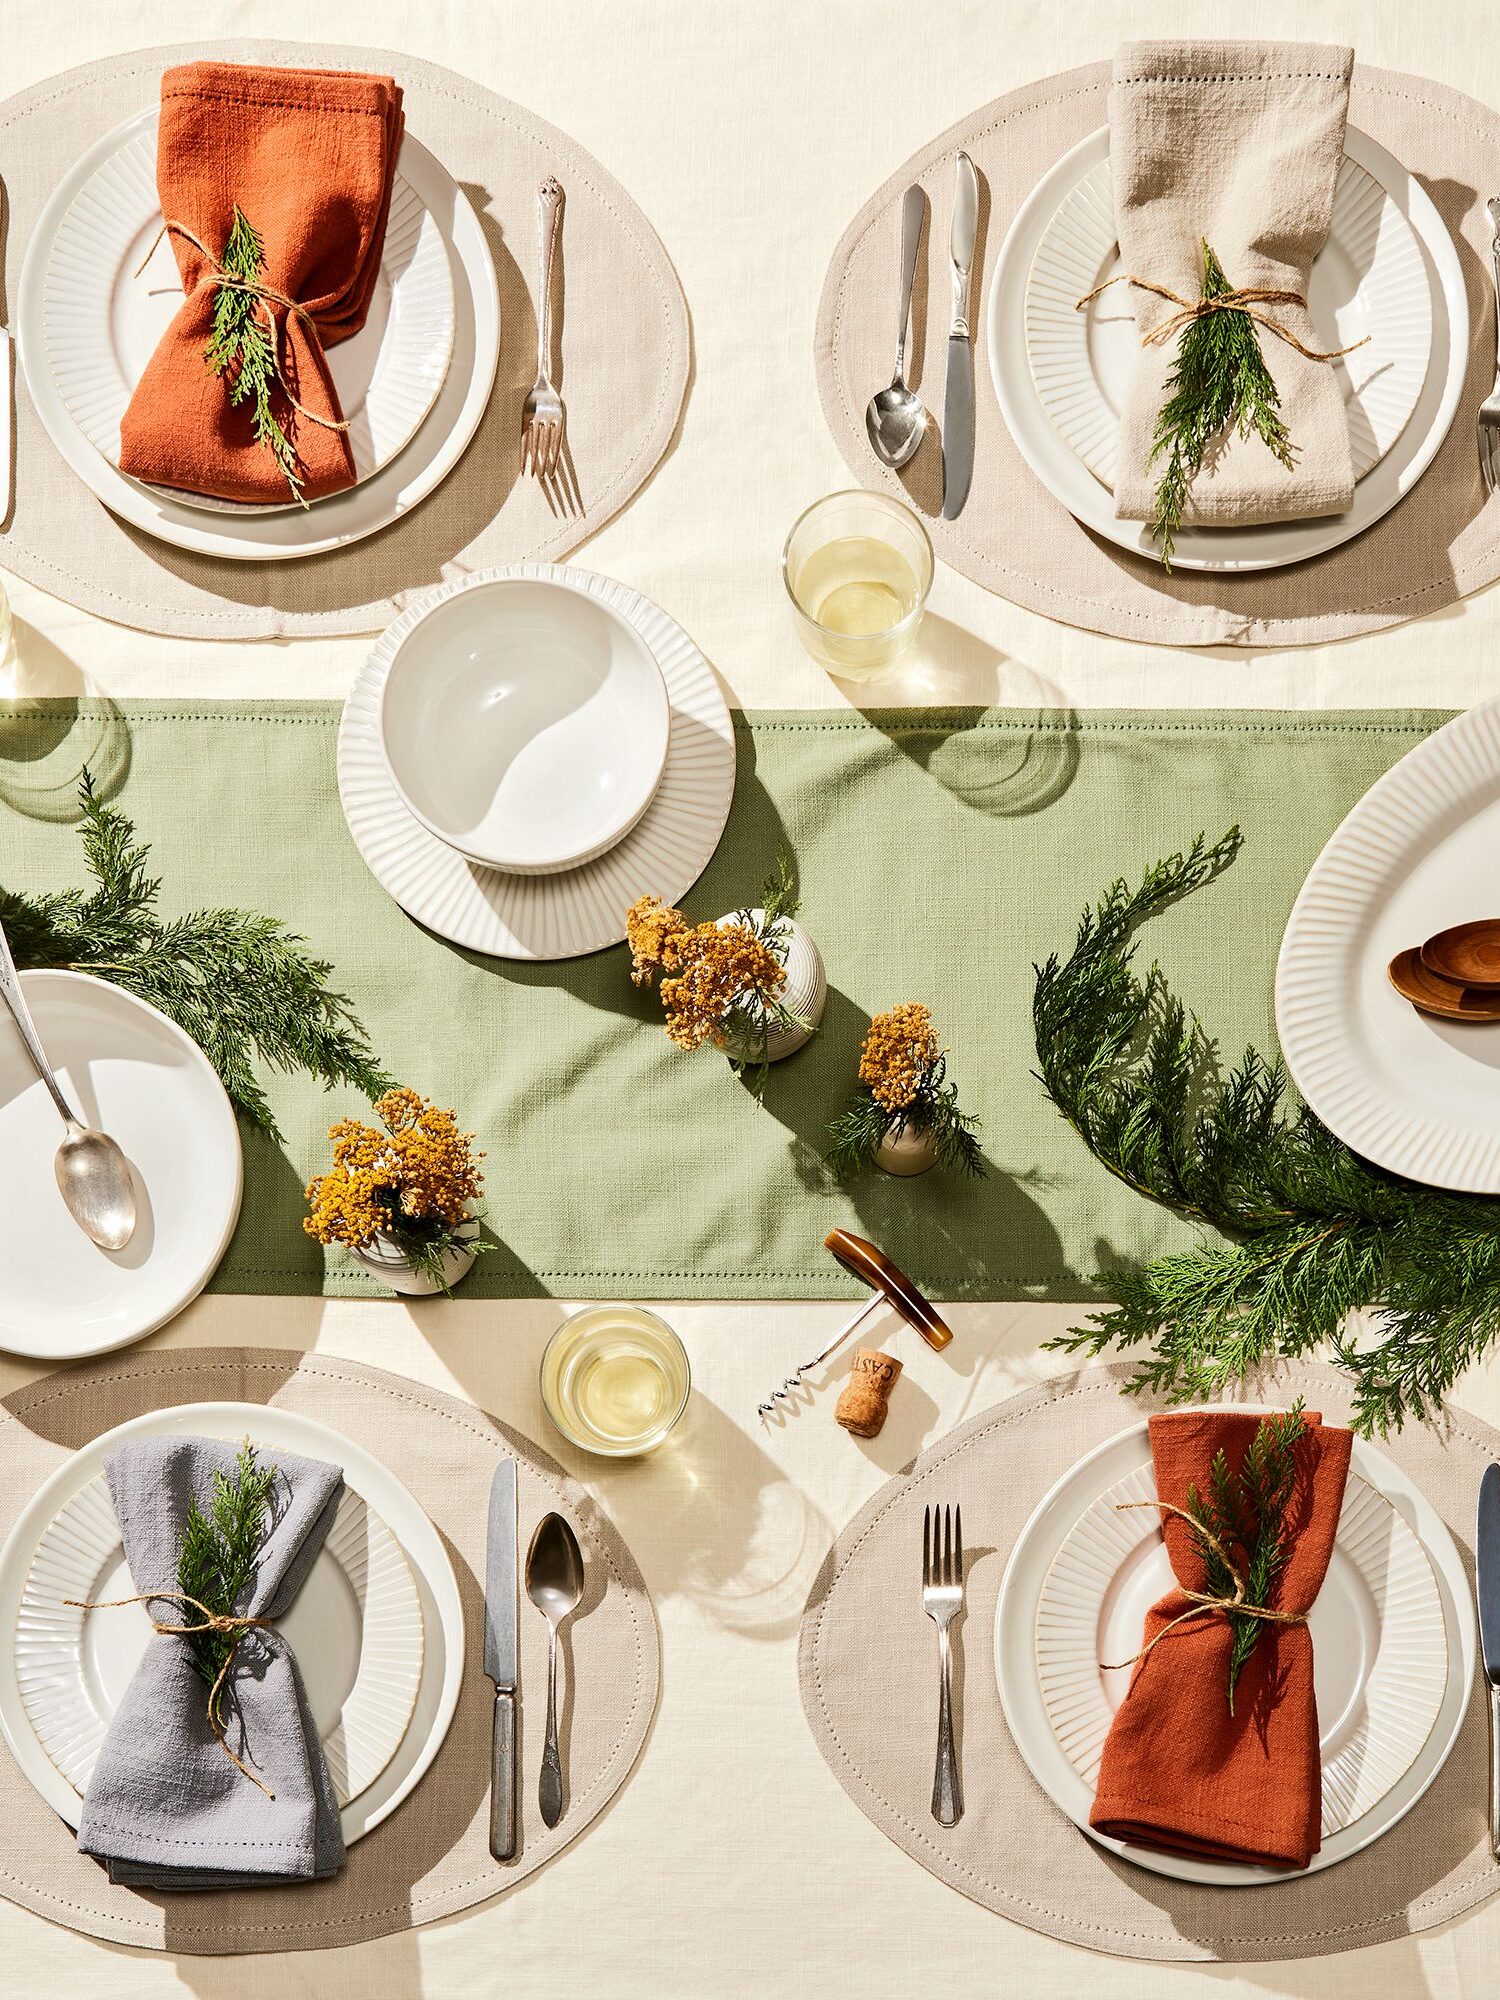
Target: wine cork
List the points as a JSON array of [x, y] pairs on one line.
[[861, 1406]]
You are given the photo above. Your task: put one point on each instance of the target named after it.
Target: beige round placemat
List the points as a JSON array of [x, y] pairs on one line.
[[620, 327], [431, 1857], [1013, 537], [868, 1668]]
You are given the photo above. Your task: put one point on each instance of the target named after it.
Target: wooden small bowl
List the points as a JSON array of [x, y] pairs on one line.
[[1467, 954], [1415, 981]]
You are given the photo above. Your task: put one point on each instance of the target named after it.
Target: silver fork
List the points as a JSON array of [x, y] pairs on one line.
[[1489, 409], [542, 415], [942, 1600]]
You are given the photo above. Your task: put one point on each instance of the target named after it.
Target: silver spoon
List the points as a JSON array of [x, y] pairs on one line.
[[92, 1172], [895, 418], [554, 1583]]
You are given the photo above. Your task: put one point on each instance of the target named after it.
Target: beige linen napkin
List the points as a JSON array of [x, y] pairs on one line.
[[1239, 143]]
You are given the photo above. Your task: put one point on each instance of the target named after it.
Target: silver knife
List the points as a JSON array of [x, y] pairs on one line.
[[7, 392], [500, 1616], [1487, 1591], [958, 397]]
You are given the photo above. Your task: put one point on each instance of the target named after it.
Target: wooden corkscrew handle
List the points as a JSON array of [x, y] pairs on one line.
[[877, 1270]]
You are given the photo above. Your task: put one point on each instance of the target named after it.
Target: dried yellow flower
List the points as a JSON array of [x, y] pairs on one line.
[[900, 1052], [421, 1169], [706, 970]]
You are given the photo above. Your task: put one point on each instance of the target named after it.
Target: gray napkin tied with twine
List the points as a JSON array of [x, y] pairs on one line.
[[165, 1807]]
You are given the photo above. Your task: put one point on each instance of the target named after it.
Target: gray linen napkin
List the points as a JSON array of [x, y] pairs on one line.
[[165, 1808], [1239, 143]]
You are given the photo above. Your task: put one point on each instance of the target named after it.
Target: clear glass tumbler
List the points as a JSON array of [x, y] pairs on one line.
[[858, 567], [615, 1380]]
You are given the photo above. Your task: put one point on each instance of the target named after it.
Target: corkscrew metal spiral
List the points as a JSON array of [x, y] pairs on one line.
[[787, 1393]]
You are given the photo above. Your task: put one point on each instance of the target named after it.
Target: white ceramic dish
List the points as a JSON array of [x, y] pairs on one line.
[[268, 535], [1066, 475], [547, 916], [136, 1075], [356, 1628], [1346, 1629], [1416, 1095], [312, 1625], [525, 724], [105, 311]]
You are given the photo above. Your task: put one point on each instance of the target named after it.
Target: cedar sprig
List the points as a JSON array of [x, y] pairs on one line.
[[1219, 384], [903, 1080], [1300, 1234], [243, 347], [241, 985], [219, 1556]]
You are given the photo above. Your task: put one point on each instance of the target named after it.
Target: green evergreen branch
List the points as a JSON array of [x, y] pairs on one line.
[[242, 986], [1308, 1233], [755, 1018], [243, 347], [220, 1553]]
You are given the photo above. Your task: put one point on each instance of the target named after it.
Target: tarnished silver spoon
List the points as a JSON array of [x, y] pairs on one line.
[[92, 1173], [895, 419], [554, 1583]]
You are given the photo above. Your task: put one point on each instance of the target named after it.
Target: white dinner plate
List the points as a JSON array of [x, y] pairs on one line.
[[1392, 1632], [322, 1624], [276, 533], [1059, 467], [1416, 1095], [110, 296], [136, 1075], [582, 910], [356, 1628]]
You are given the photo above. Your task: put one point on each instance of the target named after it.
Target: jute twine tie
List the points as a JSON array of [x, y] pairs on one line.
[[1248, 299], [230, 1623], [1202, 1601]]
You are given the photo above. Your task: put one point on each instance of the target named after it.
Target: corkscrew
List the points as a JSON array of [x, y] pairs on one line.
[[891, 1287]]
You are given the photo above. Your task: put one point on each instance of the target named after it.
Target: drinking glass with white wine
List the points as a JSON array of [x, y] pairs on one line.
[[858, 567]]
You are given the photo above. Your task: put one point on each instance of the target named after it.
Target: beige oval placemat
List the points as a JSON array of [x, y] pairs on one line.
[[622, 335], [431, 1857], [868, 1667], [1013, 537]]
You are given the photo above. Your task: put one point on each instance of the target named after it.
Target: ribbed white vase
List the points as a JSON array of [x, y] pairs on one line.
[[386, 1260], [806, 988], [906, 1149]]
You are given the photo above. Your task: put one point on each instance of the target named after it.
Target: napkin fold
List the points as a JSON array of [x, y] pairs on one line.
[[165, 1808], [1238, 144], [1178, 1770], [308, 156]]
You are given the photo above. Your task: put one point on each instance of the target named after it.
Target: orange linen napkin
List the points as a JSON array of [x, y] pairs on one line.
[[1179, 1771], [308, 156]]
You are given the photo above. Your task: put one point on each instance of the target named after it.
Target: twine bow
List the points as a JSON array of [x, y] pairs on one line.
[[1248, 299], [231, 1623], [1203, 1601]]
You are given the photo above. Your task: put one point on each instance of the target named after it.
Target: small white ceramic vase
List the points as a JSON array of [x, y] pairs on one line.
[[384, 1259], [906, 1149], [806, 988]]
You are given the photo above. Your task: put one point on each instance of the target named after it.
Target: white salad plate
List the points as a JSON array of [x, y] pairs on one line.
[[583, 909], [110, 296], [433, 445], [1392, 1632], [1390, 269], [357, 1640], [1416, 1095], [525, 725], [136, 1075]]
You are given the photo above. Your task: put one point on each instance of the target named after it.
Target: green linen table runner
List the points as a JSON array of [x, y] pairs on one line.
[[940, 853]]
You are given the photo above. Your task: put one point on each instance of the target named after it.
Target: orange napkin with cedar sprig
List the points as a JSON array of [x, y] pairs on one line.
[[1183, 1769], [306, 157]]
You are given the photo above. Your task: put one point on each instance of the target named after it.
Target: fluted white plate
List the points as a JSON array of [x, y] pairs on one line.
[[582, 910], [1368, 284], [1392, 1632], [1414, 1094], [1339, 295], [377, 1628], [104, 311], [361, 1665]]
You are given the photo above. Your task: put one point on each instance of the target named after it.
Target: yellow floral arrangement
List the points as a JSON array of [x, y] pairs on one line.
[[413, 1178], [903, 1076]]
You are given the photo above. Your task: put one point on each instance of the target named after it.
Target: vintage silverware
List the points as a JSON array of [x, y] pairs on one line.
[[1487, 1592], [542, 415], [92, 1173], [7, 389], [958, 396], [500, 1614], [942, 1600], [1489, 409], [554, 1583], [894, 418]]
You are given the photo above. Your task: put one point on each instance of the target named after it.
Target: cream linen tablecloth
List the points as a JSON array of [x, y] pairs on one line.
[[732, 1865]]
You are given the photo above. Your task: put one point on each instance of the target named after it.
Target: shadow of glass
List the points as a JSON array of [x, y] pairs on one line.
[[54, 727]]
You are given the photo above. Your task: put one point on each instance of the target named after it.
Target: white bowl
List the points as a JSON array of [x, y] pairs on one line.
[[525, 723]]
